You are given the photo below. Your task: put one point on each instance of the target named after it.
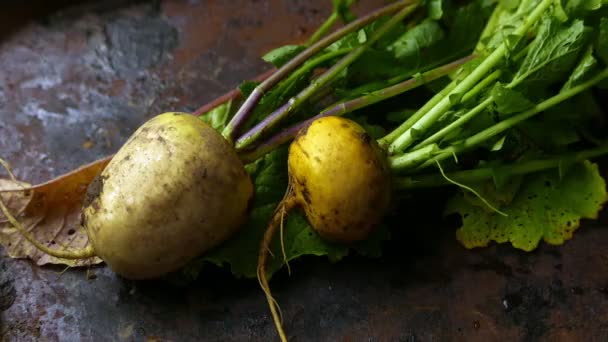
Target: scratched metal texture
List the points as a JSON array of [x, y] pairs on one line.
[[77, 78]]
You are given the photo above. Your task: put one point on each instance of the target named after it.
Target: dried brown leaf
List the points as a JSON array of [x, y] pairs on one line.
[[51, 212]]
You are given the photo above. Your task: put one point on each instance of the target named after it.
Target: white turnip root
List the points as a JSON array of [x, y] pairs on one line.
[[175, 190]]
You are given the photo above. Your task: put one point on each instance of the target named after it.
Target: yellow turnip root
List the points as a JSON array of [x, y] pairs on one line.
[[339, 176]]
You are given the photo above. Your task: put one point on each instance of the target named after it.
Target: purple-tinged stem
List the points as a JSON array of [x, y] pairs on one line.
[[246, 108], [349, 106], [326, 78], [229, 96]]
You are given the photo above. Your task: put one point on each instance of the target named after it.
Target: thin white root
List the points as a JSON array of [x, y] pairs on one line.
[[288, 202], [83, 253], [468, 188]]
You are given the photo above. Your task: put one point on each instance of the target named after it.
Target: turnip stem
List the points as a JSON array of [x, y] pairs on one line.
[[414, 158], [352, 105], [246, 108], [389, 138], [323, 29], [229, 96], [490, 132], [394, 90], [487, 173], [409, 136], [310, 65], [80, 253], [462, 120], [456, 124], [482, 85], [274, 118]]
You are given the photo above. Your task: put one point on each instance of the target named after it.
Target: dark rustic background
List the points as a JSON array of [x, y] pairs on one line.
[[76, 78]]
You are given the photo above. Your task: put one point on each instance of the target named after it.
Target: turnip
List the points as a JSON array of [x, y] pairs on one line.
[[339, 176], [175, 190]]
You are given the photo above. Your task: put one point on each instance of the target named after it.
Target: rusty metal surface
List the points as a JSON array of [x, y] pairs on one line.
[[76, 80]]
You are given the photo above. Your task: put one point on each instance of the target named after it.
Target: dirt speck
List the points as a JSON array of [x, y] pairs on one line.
[[93, 191], [365, 138]]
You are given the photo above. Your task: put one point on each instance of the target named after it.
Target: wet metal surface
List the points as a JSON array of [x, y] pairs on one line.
[[74, 83]]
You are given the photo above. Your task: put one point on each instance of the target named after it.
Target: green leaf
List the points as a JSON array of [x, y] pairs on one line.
[[585, 69], [463, 27], [407, 51], [509, 101], [579, 110], [358, 37], [562, 125], [361, 36], [550, 134], [219, 116], [269, 175], [545, 208], [500, 191], [240, 253], [278, 57], [375, 64], [553, 53], [247, 87], [511, 42], [498, 145], [505, 19]]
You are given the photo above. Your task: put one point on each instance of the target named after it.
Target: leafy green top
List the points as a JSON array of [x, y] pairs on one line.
[[566, 48], [545, 207]]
